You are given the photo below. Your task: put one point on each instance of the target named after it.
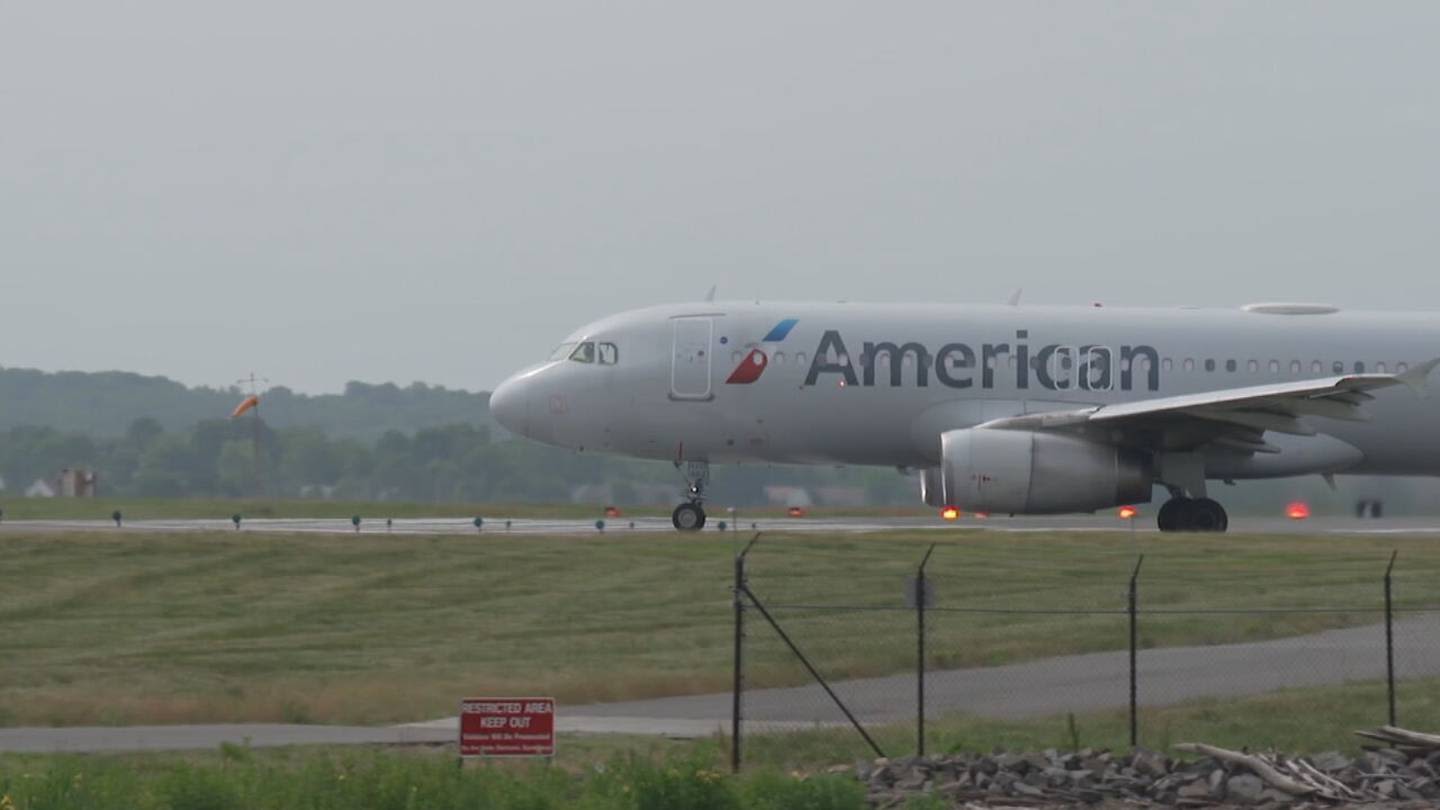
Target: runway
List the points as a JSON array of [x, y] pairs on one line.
[[1052, 686], [499, 525]]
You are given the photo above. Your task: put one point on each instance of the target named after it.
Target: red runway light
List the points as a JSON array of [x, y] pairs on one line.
[[796, 512], [1128, 512], [950, 513], [1297, 510]]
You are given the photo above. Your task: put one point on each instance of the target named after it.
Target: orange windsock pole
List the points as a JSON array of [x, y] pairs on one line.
[[246, 404]]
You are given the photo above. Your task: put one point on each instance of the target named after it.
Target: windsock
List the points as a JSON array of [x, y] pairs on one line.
[[246, 404]]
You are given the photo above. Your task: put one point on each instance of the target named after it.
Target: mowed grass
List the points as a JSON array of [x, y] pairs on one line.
[[128, 627]]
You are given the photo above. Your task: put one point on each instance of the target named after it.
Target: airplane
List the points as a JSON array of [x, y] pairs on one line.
[[1003, 409]]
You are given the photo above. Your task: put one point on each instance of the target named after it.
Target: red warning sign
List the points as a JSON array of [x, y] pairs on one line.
[[507, 727]]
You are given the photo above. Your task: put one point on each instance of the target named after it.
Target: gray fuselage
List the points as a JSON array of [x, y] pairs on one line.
[[877, 384]]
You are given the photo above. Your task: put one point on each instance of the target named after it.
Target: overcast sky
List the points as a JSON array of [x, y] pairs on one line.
[[325, 191]]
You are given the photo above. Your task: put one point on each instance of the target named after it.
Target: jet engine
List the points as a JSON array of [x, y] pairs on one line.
[[1025, 472]]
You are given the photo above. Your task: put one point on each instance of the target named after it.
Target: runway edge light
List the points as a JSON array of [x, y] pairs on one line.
[[950, 513], [1297, 510], [1128, 512]]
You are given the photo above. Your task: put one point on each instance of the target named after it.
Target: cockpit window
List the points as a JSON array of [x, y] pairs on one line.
[[584, 352], [562, 351], [607, 354]]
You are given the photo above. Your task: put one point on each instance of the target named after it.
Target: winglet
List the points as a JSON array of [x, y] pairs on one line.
[[710, 296], [1415, 377], [1014, 299]]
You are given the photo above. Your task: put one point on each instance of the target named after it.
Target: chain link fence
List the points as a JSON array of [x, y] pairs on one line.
[[940, 652]]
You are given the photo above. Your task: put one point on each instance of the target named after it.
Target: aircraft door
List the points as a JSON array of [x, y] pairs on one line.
[[690, 358]]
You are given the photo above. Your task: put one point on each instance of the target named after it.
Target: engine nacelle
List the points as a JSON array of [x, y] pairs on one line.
[[1024, 472]]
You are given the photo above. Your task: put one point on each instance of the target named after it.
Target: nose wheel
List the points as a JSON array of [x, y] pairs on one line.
[[1192, 515], [688, 517]]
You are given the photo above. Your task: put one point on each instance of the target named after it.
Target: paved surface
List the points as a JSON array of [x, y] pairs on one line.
[[496, 525], [1077, 683]]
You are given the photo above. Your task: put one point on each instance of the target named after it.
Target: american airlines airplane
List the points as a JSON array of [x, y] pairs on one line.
[[1001, 409]]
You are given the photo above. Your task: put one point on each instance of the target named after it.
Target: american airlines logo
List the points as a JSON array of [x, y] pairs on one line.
[[755, 362], [1053, 367]]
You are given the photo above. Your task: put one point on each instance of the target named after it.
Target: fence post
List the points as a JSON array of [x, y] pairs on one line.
[[738, 686], [1134, 644], [921, 591], [1390, 638]]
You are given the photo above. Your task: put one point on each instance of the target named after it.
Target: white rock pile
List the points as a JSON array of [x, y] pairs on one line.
[[1384, 777]]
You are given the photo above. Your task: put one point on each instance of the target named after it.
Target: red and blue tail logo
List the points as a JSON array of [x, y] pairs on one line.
[[757, 360]]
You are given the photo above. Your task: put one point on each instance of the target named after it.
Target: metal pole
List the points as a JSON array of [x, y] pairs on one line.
[[920, 593], [1134, 644], [1390, 638], [739, 683], [814, 673]]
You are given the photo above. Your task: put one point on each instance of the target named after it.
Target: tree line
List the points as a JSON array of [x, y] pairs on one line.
[[456, 463]]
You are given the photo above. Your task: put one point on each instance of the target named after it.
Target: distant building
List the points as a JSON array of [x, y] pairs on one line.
[[40, 489], [778, 495], [76, 483], [841, 496]]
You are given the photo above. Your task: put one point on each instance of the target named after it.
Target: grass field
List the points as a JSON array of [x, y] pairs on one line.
[[239, 779], [130, 628]]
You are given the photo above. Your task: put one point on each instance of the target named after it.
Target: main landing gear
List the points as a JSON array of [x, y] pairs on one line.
[[690, 516], [1181, 514]]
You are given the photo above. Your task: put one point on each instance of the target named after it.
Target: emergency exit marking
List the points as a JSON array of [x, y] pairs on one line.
[[507, 727]]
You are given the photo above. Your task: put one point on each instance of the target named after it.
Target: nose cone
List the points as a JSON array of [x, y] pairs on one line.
[[508, 406]]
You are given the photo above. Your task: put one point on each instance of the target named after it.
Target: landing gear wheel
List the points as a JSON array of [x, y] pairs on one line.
[[1206, 515], [1192, 515], [1170, 513], [688, 517]]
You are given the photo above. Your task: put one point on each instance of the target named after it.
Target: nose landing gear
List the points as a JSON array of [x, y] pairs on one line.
[[1181, 514], [690, 516]]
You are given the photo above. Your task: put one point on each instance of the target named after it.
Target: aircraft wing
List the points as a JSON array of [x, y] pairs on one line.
[[1237, 417]]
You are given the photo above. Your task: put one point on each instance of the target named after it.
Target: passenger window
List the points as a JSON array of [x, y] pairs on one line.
[[1359, 367], [799, 358], [779, 358], [1401, 368], [1316, 367], [1380, 367], [1253, 366], [1209, 364], [1230, 366], [1337, 367], [1274, 366], [1295, 366], [1167, 364], [1189, 364], [584, 353]]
